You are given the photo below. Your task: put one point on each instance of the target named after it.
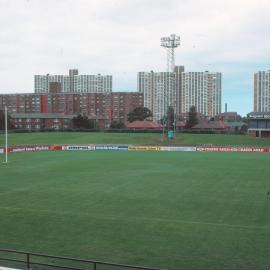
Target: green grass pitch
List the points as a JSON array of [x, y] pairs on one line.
[[130, 138], [179, 210]]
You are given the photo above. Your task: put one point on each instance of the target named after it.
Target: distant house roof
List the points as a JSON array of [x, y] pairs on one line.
[[210, 125], [144, 125], [228, 114], [180, 124], [54, 116], [42, 115], [220, 125], [94, 116], [202, 125], [236, 124]]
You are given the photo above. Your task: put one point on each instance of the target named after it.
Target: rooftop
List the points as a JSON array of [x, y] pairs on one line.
[[42, 115], [144, 125]]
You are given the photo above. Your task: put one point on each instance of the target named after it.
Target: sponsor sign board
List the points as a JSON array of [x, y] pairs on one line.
[[178, 148], [259, 116], [78, 147], [111, 147], [233, 149], [1, 151], [55, 147], [28, 148], [144, 148]]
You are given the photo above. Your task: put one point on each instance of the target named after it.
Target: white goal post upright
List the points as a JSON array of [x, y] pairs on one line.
[[6, 131]]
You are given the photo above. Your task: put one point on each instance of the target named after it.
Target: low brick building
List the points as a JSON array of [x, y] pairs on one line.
[[259, 124], [122, 103], [228, 117], [105, 107], [37, 121], [206, 125], [147, 125]]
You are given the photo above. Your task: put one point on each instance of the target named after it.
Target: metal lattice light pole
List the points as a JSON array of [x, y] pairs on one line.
[[169, 43]]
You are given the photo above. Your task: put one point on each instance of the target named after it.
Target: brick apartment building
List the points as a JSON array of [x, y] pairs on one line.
[[104, 108], [37, 121], [228, 116]]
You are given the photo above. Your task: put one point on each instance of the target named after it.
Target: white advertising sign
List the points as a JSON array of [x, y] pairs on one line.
[[178, 148], [78, 147]]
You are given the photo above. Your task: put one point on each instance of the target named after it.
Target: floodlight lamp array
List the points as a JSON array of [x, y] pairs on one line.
[[172, 41]]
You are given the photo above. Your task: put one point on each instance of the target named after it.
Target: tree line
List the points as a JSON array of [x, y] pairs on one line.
[[138, 114], [2, 121]]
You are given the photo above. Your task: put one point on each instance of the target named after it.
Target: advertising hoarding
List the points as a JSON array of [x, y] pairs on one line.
[[178, 148], [144, 148], [111, 147], [233, 149], [78, 147]]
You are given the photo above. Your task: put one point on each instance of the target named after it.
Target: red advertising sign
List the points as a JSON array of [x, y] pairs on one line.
[[16, 149], [234, 149], [55, 147]]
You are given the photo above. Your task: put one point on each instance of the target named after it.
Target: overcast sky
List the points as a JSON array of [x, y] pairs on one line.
[[121, 37]]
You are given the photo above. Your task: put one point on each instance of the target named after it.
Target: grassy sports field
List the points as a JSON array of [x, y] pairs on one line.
[[130, 138], [179, 210]]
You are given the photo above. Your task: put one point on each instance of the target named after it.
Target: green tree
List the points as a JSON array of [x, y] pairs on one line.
[[139, 113], [170, 118], [192, 117], [117, 125], [163, 120], [83, 122], [244, 119], [2, 121]]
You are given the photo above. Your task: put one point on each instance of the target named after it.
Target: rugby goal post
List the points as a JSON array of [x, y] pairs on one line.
[[6, 136]]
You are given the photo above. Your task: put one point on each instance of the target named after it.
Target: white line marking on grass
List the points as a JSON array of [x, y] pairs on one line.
[[140, 219], [7, 268], [210, 223]]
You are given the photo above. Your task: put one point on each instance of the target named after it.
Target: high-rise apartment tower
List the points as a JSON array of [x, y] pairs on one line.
[[74, 83], [181, 90], [262, 91]]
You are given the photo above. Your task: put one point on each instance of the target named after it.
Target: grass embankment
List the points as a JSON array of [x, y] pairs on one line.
[[131, 138]]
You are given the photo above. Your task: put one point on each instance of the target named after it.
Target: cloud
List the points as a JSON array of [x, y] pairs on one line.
[[121, 37]]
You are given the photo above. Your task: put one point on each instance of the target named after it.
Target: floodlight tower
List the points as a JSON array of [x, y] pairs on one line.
[[169, 96], [170, 43]]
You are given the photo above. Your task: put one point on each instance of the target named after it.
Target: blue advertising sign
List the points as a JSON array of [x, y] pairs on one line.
[[111, 147]]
